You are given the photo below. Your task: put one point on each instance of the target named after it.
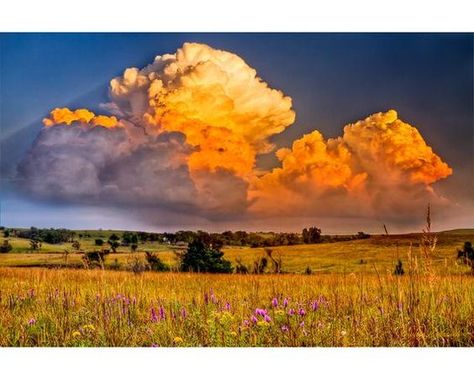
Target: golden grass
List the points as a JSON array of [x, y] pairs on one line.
[[60, 307]]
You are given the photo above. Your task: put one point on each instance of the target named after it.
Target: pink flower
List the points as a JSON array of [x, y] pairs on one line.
[[153, 315], [285, 302], [32, 321], [253, 319], [267, 318], [284, 329], [301, 312], [184, 314], [291, 312], [162, 313], [261, 312], [227, 306], [314, 305], [275, 302]]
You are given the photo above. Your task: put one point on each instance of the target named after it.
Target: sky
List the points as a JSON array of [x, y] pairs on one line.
[[208, 161]]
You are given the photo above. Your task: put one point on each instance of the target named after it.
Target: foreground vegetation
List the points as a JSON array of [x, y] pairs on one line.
[[40, 307]]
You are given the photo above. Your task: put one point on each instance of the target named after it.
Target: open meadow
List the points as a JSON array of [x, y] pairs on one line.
[[350, 297]]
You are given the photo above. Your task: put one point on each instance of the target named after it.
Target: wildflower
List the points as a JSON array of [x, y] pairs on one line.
[[246, 323], [302, 324], [261, 323], [301, 312], [267, 318], [314, 305], [279, 312], [76, 334], [155, 345], [177, 340], [253, 319], [275, 302], [284, 329], [233, 334], [89, 327], [291, 312], [162, 313], [261, 312], [154, 316], [227, 306], [285, 302], [184, 314]]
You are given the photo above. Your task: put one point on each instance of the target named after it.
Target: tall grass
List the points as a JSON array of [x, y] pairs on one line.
[[40, 307]]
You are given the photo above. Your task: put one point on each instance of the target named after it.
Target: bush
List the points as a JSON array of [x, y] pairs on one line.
[[94, 258], [155, 263], [308, 271], [6, 247], [201, 257], [466, 255], [399, 268], [99, 242]]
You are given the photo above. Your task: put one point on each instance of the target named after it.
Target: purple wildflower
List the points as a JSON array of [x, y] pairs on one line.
[[267, 318], [253, 319], [162, 313], [32, 321], [155, 345], [315, 305], [291, 312], [302, 324], [261, 312], [285, 329], [285, 302], [246, 322], [275, 302], [301, 312], [153, 315], [184, 314], [227, 306]]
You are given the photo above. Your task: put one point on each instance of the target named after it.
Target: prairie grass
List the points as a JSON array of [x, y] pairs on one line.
[[64, 307]]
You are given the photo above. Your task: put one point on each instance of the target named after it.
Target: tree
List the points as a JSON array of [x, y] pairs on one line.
[[133, 247], [155, 263], [6, 233], [6, 247], [35, 244], [76, 245], [114, 242], [99, 242], [202, 257], [312, 235], [466, 255]]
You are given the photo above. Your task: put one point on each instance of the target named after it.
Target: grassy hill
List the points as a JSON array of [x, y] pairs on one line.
[[376, 254]]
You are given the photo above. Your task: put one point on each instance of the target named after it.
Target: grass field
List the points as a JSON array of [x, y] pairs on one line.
[[352, 298], [41, 307], [378, 253]]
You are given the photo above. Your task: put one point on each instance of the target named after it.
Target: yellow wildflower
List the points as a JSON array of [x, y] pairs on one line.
[[89, 327], [233, 334], [177, 340], [76, 334]]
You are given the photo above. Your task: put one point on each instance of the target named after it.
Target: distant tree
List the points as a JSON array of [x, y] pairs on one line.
[[76, 245], [35, 244], [276, 262], [308, 271], [155, 263], [6, 247], [399, 268], [362, 235], [466, 255], [311, 235], [95, 258], [133, 247], [99, 242], [6, 233], [202, 257], [114, 242]]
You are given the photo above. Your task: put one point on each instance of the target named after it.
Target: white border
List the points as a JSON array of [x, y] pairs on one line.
[[237, 15]]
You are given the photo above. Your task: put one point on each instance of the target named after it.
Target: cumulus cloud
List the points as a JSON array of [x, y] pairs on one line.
[[184, 135], [381, 166]]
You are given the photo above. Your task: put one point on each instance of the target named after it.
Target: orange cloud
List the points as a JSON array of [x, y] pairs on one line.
[[84, 116], [216, 116], [378, 156]]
